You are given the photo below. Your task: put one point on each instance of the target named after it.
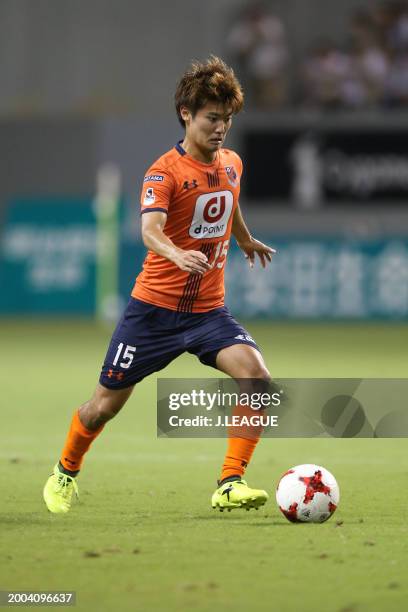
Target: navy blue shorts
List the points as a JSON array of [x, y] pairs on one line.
[[147, 338]]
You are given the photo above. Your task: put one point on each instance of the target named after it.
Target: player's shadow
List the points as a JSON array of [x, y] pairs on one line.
[[266, 521], [241, 520]]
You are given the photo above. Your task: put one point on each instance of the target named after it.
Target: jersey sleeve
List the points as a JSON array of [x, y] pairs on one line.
[[157, 190]]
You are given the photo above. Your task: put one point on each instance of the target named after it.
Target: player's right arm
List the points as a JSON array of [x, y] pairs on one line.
[[156, 240], [156, 197]]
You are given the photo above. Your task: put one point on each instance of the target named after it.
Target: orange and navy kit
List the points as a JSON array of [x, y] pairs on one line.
[[171, 311], [200, 201]]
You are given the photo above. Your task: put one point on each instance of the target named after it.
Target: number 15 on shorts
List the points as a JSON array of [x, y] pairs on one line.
[[126, 356]]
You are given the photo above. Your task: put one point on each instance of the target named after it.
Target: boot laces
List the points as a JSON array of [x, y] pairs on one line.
[[64, 485]]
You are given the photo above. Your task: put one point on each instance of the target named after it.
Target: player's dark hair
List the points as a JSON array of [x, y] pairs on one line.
[[209, 81]]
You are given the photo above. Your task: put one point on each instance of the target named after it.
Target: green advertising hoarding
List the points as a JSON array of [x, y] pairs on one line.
[[48, 257], [48, 266]]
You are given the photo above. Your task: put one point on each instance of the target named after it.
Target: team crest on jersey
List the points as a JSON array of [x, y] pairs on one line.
[[149, 197], [231, 175]]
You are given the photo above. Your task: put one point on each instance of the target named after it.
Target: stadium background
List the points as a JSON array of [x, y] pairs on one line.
[[85, 84]]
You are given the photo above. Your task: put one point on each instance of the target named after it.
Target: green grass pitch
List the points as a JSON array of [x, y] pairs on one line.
[[144, 536]]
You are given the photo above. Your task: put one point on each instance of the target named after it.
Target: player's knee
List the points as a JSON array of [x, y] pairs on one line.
[[264, 376], [258, 372], [256, 380]]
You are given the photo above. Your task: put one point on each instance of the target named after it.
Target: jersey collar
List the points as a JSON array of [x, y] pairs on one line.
[[179, 148], [183, 152]]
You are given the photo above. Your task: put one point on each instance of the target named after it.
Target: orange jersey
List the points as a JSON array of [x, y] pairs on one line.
[[200, 201]]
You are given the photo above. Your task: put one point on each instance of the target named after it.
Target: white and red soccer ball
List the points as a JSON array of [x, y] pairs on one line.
[[307, 494]]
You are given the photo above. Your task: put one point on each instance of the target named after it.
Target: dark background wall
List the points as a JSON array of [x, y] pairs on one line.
[[61, 56]]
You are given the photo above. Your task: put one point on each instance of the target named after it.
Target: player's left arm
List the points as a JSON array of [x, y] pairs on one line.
[[247, 243]]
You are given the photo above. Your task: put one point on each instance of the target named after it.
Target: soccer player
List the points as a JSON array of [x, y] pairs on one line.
[[189, 211]]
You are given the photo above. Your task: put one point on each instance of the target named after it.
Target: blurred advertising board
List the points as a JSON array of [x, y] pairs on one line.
[[317, 278], [47, 260], [312, 167], [48, 266]]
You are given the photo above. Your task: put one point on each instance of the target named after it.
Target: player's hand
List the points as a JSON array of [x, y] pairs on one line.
[[194, 262], [252, 246]]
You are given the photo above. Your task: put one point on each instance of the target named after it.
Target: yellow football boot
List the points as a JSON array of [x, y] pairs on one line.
[[237, 494], [58, 491]]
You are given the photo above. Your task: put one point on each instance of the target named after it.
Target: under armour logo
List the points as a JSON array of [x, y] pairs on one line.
[[187, 185], [117, 375]]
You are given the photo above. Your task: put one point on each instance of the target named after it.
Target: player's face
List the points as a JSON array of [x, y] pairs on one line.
[[208, 128]]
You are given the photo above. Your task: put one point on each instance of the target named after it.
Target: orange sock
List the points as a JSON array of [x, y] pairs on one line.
[[78, 441], [241, 445]]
